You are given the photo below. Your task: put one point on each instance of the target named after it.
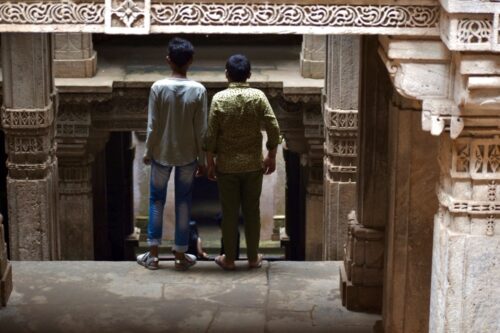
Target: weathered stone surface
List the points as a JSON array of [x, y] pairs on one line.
[[74, 56], [312, 56], [341, 126], [86, 296], [314, 227], [28, 121], [413, 200]]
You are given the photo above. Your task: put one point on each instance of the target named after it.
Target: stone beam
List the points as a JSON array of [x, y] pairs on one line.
[[28, 113], [294, 17]]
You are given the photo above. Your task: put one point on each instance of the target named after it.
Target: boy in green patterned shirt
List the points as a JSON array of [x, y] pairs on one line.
[[234, 147]]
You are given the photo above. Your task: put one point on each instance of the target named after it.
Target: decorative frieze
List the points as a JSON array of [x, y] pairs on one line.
[[142, 17], [128, 16], [471, 31], [27, 118]]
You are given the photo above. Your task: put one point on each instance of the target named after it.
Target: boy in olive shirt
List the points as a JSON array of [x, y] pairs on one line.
[[234, 159]]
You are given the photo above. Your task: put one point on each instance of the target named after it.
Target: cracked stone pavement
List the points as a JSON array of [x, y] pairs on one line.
[[124, 297]]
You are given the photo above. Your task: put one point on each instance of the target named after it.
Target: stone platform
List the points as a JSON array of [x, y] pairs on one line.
[[124, 297]]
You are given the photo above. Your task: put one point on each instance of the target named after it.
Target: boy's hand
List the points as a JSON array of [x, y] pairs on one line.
[[269, 164], [146, 160], [200, 170], [211, 173]]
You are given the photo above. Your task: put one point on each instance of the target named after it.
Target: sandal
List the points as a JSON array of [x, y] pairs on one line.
[[257, 263], [183, 264], [221, 261]]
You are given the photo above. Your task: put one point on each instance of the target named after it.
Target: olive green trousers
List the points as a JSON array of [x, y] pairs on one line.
[[240, 190]]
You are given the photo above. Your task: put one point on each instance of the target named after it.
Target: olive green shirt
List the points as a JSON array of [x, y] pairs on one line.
[[237, 116]]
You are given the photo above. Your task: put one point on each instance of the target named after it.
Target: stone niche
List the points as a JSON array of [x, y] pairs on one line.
[[5, 269]]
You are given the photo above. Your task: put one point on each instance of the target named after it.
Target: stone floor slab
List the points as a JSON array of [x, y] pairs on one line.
[[125, 297]]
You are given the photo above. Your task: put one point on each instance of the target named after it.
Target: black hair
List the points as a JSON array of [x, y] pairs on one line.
[[238, 68], [180, 51]]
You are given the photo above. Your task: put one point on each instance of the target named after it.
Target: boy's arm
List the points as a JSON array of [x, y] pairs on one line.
[[210, 145], [151, 139], [200, 127], [273, 135]]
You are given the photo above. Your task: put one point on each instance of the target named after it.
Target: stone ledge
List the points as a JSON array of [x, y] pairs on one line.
[[76, 68]]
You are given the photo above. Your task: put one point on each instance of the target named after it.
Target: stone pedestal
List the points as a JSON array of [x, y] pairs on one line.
[[362, 272], [312, 56], [340, 113], [5, 269], [74, 55], [414, 171], [28, 113]]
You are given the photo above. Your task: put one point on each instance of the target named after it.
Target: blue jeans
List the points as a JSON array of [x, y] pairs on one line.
[[184, 176]]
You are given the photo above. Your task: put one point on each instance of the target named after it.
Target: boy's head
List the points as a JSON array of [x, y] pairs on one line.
[[238, 68], [180, 53]]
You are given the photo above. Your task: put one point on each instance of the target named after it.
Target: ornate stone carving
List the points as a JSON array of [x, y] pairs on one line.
[[140, 16], [41, 12], [471, 31], [286, 14], [128, 16], [27, 118]]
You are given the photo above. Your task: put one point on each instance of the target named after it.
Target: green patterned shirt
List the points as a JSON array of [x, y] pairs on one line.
[[237, 116]]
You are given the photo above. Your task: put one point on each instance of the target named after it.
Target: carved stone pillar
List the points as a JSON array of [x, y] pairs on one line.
[[341, 134], [28, 112], [313, 132], [312, 56], [413, 201], [461, 104], [75, 187], [5, 269], [362, 274], [74, 55], [299, 116]]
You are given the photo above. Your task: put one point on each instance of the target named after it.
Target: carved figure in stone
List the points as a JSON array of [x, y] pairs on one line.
[[177, 114]]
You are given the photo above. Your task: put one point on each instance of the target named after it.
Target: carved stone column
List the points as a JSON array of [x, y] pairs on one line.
[[313, 160], [74, 55], [413, 201], [28, 112], [340, 114], [75, 187], [5, 269], [461, 104], [362, 274], [312, 56]]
